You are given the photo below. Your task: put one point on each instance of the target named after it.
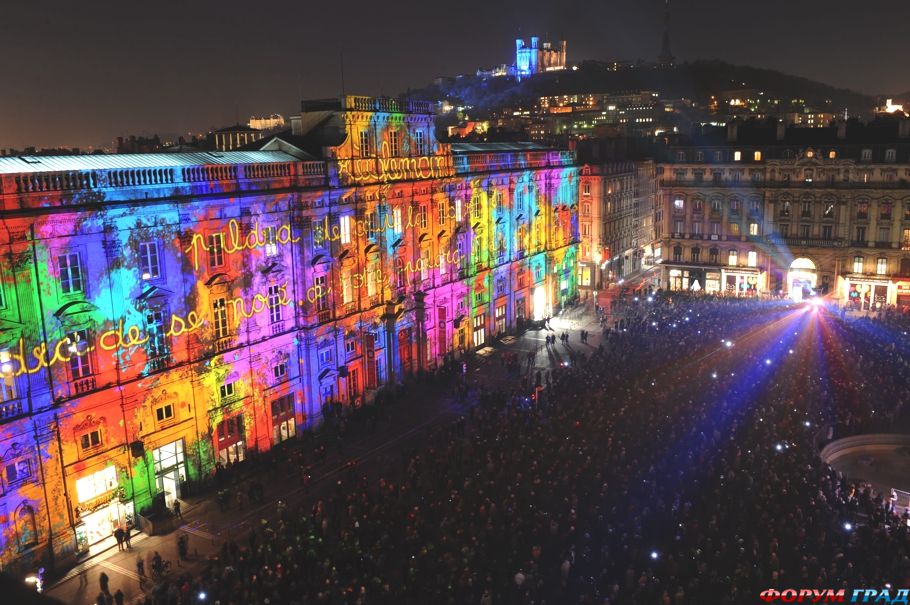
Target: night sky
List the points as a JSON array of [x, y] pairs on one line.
[[82, 73]]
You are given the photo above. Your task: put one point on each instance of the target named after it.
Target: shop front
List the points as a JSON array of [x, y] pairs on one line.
[[903, 296], [864, 294], [100, 508], [691, 279], [741, 282]]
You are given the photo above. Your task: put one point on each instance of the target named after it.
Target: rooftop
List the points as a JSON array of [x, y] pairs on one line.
[[60, 163]]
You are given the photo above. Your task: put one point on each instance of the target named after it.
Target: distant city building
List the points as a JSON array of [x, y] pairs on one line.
[[752, 210], [272, 122], [234, 137], [537, 58], [134, 144]]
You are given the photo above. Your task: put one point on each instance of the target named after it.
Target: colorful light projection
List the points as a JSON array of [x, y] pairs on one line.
[[154, 341]]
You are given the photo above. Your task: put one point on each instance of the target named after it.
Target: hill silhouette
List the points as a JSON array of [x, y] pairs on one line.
[[696, 80]]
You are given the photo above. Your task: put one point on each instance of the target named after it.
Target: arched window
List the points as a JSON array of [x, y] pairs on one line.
[[26, 529]]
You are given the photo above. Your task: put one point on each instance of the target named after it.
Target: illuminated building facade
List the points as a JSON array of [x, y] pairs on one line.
[[615, 214], [164, 314], [537, 58], [751, 210]]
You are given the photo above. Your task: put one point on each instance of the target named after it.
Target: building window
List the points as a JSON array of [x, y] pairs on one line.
[[679, 226], [857, 264], [804, 231], [586, 188], [271, 241], [149, 267], [886, 209], [716, 205], [679, 204], [829, 210], [862, 210], [71, 280], [753, 228], [890, 155], [227, 390], [752, 258], [325, 357], [345, 228], [737, 156], [861, 234], [699, 156], [832, 155], [757, 156], [884, 234], [80, 360], [442, 212], [7, 379], [732, 258], [827, 232], [164, 412], [90, 440], [881, 266], [715, 228], [713, 254], [156, 347], [274, 302], [734, 229], [219, 317], [280, 371], [905, 245], [17, 471], [350, 347], [680, 156], [396, 221], [866, 154], [366, 143], [734, 206], [586, 229], [97, 484], [785, 209], [696, 228], [807, 210], [677, 254], [697, 206], [394, 143], [696, 255], [784, 229], [216, 249], [420, 143]]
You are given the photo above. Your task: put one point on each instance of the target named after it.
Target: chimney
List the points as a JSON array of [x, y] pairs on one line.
[[780, 132], [732, 131], [903, 128], [841, 130]]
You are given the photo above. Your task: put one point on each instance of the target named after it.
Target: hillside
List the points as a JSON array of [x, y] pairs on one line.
[[696, 81]]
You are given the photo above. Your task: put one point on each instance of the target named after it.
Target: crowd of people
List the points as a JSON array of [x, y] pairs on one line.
[[675, 463]]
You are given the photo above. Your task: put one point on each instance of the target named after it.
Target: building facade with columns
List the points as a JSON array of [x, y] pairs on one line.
[[766, 210], [164, 315]]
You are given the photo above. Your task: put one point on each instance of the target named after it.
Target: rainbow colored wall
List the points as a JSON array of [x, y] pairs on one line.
[[164, 314]]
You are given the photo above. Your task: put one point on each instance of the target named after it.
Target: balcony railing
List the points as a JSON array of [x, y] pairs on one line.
[[223, 344], [84, 385], [900, 184], [11, 409], [809, 242]]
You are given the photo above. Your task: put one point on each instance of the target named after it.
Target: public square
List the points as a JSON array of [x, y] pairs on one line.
[[674, 460]]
